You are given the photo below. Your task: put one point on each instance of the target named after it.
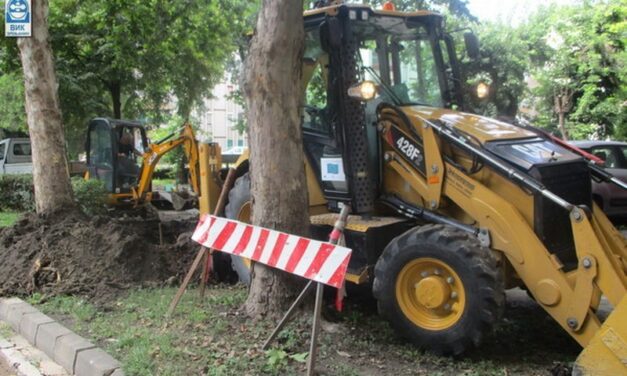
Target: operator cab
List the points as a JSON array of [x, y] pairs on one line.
[[114, 149], [410, 59]]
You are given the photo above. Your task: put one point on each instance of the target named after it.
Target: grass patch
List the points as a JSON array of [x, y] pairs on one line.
[[201, 338], [5, 330], [214, 338], [8, 218]]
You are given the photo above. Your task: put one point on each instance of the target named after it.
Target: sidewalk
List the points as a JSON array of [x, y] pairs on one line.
[[4, 369], [18, 357]]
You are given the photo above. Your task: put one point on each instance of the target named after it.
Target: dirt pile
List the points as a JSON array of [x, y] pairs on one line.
[[94, 257]]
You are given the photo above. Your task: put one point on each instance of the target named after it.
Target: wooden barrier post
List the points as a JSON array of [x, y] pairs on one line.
[[204, 254], [334, 238], [326, 263]]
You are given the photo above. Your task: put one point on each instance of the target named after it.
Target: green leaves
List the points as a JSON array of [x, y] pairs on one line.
[[278, 358], [12, 112], [135, 59], [580, 49]]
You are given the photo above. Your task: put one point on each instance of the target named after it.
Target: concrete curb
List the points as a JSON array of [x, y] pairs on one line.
[[76, 354]]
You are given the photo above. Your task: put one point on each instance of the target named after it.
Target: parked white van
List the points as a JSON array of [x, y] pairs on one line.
[[15, 156]]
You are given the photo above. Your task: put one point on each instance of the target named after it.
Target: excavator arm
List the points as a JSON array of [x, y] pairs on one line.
[[185, 137]]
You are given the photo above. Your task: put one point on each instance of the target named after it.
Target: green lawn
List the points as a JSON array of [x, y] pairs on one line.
[[8, 218], [214, 338]]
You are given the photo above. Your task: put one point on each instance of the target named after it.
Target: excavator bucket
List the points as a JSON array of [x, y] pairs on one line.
[[606, 354]]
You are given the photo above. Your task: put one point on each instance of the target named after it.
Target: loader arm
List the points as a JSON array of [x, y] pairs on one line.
[[571, 297], [157, 150]]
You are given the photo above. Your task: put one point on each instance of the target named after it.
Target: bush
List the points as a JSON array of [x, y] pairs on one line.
[[90, 195], [17, 193], [164, 172]]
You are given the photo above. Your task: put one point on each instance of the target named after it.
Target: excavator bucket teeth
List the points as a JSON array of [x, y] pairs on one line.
[[606, 354]]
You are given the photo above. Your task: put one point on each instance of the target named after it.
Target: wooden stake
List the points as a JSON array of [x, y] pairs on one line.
[[203, 253], [287, 315], [188, 277]]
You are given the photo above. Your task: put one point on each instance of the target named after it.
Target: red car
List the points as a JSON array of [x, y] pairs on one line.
[[612, 198]]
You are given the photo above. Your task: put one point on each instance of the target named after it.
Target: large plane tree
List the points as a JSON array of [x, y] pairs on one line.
[[53, 191], [279, 189]]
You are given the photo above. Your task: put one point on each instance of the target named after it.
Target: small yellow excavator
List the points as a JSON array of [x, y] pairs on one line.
[[114, 148], [450, 208]]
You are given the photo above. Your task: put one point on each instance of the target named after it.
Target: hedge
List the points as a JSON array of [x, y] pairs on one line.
[[17, 193]]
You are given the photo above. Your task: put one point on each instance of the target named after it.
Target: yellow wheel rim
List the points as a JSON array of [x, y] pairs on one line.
[[244, 216], [430, 294]]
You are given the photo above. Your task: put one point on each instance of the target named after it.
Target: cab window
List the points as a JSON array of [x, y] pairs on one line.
[[101, 155], [314, 79]]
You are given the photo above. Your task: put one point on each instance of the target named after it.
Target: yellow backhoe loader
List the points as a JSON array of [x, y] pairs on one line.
[[119, 154], [450, 209]]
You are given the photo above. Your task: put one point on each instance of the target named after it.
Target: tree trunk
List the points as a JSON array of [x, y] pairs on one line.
[[562, 105], [273, 88], [50, 168], [561, 124], [116, 97]]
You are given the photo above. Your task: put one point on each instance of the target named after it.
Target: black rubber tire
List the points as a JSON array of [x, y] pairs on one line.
[[238, 196], [475, 265]]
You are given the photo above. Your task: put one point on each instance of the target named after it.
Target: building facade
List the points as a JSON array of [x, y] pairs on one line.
[[219, 116]]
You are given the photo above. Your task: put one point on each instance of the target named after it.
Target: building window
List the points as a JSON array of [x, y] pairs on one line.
[[240, 142], [229, 143]]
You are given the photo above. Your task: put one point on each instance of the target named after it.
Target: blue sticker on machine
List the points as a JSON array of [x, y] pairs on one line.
[[332, 169]]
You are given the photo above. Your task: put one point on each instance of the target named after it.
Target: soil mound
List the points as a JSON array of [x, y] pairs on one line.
[[96, 257]]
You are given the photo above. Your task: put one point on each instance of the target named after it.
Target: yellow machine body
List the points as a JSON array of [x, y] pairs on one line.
[[489, 200]]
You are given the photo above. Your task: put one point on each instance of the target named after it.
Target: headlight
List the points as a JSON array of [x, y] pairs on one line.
[[483, 90], [364, 91]]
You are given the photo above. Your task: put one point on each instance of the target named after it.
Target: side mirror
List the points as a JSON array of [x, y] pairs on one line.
[[363, 91], [472, 45]]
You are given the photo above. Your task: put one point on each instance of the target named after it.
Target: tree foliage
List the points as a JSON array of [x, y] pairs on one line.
[[12, 112], [577, 56], [136, 59], [502, 64]]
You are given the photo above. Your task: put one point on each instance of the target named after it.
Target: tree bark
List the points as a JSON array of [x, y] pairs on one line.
[[279, 190], [561, 124], [116, 98], [45, 125]]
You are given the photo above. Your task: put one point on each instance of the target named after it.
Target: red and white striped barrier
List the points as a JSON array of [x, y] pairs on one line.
[[312, 259]]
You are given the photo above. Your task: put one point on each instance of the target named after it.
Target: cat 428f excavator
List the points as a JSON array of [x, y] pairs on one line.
[[113, 148], [449, 208]]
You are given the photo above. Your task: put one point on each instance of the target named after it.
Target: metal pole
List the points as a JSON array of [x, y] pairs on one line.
[[204, 276], [287, 315], [338, 228], [313, 346]]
